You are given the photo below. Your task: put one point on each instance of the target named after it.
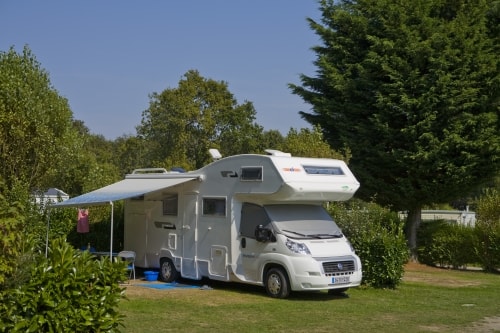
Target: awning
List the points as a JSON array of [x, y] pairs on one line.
[[127, 188]]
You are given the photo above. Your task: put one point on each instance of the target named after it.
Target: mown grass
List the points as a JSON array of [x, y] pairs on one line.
[[428, 300]]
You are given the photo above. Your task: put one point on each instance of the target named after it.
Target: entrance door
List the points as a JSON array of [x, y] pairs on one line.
[[189, 267]]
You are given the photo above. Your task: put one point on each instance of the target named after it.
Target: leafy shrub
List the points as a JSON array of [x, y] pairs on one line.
[[70, 291], [487, 244], [446, 245], [456, 246], [11, 227], [377, 235]]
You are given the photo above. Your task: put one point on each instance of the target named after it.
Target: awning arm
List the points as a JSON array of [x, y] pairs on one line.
[[47, 236], [111, 238]]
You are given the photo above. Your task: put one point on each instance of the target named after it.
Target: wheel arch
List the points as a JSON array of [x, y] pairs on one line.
[[270, 265]]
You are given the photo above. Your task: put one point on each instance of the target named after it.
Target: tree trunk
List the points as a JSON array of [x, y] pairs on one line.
[[412, 223]]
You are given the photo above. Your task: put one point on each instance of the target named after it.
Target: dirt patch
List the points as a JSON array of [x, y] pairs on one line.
[[415, 272], [134, 290], [486, 325]]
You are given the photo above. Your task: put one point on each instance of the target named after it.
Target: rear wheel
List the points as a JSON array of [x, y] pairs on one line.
[[168, 272], [276, 283]]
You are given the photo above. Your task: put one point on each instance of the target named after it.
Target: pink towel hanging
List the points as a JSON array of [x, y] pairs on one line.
[[83, 221]]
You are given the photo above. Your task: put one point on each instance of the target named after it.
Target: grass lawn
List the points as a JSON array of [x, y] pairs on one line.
[[428, 300]]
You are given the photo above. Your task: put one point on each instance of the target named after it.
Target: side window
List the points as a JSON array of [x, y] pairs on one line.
[[251, 216], [323, 170], [251, 173], [170, 204], [214, 206]]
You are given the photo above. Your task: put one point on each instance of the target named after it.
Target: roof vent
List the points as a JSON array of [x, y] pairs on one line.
[[274, 152], [149, 170], [215, 154]]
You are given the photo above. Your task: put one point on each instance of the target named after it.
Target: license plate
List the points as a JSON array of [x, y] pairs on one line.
[[340, 279]]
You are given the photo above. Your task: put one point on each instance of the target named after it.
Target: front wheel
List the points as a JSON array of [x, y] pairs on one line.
[[168, 272], [276, 283]]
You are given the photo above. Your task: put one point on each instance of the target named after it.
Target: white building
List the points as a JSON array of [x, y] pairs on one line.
[[52, 195]]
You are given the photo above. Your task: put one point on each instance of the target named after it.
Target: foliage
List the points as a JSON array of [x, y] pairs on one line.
[[488, 230], [309, 143], [70, 291], [11, 228], [446, 245], [272, 139], [35, 122], [377, 236], [412, 89], [183, 123], [92, 164], [129, 154], [100, 228]]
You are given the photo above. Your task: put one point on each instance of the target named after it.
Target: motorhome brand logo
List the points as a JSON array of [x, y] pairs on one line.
[[292, 169], [340, 266], [231, 174]]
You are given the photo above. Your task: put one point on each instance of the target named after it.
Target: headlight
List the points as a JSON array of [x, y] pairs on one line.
[[297, 247]]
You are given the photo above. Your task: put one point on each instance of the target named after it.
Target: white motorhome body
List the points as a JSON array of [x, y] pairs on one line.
[[254, 219]]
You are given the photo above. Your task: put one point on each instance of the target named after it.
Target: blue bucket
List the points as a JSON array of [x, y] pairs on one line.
[[151, 276]]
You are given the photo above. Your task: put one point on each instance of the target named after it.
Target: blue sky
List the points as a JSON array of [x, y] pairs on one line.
[[107, 57]]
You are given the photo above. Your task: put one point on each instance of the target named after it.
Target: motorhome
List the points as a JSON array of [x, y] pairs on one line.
[[255, 219]]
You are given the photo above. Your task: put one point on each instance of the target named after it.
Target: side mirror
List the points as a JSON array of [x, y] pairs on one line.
[[262, 234]]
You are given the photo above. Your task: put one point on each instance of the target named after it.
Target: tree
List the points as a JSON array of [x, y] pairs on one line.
[[35, 122], [129, 154], [272, 139], [182, 123], [412, 89], [309, 143], [90, 163]]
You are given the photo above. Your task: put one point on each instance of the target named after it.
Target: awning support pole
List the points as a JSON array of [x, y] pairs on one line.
[[47, 237], [111, 238]]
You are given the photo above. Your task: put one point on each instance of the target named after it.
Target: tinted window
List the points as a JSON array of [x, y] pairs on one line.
[[251, 173], [323, 170], [214, 206], [170, 205], [251, 216]]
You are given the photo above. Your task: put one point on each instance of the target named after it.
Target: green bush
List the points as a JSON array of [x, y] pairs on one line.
[[456, 246], [377, 235], [487, 245], [70, 291], [446, 245], [11, 240]]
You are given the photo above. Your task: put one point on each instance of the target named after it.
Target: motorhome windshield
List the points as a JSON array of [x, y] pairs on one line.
[[303, 221]]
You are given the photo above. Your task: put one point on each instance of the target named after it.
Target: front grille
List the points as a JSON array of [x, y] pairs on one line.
[[336, 268]]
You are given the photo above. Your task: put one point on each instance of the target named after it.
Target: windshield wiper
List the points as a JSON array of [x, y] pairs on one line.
[[326, 235], [320, 236], [296, 233]]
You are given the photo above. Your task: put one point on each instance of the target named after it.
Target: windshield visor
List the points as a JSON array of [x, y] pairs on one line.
[[303, 221]]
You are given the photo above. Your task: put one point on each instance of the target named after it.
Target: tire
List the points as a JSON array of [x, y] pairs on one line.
[[276, 283], [168, 272]]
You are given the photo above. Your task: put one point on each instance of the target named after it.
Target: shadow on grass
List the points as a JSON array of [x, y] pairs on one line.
[[250, 289]]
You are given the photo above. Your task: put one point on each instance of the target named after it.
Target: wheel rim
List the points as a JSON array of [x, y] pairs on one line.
[[166, 270], [274, 284]]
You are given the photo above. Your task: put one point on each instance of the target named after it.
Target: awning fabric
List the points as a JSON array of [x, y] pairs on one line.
[[127, 188]]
